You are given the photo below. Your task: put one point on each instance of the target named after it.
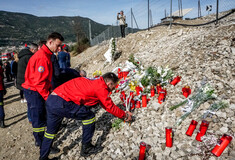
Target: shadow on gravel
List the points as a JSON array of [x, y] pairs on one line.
[[11, 101], [22, 118], [11, 96], [102, 124], [9, 84], [16, 116]]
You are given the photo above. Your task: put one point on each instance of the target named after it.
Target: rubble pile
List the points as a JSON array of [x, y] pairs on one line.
[[199, 55]]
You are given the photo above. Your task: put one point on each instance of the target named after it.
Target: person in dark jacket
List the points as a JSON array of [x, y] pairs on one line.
[[24, 56], [7, 70], [66, 50], [14, 64], [62, 58], [2, 93]]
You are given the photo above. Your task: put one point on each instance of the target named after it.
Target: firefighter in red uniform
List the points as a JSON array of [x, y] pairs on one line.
[[2, 92], [73, 100], [37, 84]]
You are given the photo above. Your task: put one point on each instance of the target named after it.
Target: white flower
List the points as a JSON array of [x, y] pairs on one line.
[[214, 95], [164, 74], [159, 70]]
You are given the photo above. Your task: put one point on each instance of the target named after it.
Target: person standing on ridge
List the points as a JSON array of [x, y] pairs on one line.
[[74, 99], [37, 85], [122, 22]]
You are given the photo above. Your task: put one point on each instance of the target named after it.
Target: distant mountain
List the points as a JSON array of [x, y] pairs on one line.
[[18, 28]]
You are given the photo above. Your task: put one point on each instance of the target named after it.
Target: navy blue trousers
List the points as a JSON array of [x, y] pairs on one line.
[[57, 109], [2, 113], [37, 111]]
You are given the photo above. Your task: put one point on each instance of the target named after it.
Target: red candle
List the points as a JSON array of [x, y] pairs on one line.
[[138, 89], [220, 147], [138, 104], [131, 94], [142, 151], [119, 70], [175, 80], [169, 139], [191, 128], [144, 100], [202, 130], [132, 104], [186, 91], [162, 96], [120, 75], [152, 91], [159, 88], [125, 73]]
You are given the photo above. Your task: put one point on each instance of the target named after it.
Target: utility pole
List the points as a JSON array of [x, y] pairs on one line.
[[171, 14], [217, 11], [148, 14], [199, 9], [90, 30], [131, 20]]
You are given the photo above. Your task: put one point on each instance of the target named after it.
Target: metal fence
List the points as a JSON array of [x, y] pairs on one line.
[[112, 31], [148, 13]]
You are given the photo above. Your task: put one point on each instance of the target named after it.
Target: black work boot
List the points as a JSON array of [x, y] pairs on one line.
[[54, 150], [88, 149], [2, 125]]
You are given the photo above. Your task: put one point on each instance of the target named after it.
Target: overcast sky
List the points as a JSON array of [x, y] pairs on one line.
[[104, 11]]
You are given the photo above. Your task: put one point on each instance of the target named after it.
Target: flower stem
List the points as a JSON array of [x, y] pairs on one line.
[[180, 104]]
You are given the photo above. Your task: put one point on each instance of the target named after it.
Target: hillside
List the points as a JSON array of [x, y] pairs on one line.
[[197, 54], [18, 28]]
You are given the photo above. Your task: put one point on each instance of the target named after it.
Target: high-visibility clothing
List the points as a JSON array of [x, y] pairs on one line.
[[83, 91], [38, 73]]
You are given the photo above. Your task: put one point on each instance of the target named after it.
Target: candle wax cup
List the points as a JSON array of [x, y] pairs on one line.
[[191, 128], [169, 138], [138, 104], [144, 101], [220, 147], [142, 151]]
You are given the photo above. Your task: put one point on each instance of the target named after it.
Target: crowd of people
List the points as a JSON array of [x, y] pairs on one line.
[[54, 91]]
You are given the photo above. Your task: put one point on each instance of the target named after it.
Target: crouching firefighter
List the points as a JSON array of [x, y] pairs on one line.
[[72, 100]]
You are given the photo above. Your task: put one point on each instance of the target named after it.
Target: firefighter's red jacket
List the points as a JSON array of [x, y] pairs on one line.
[[38, 72], [83, 91]]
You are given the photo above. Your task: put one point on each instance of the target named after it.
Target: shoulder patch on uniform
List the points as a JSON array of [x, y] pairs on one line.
[[41, 69]]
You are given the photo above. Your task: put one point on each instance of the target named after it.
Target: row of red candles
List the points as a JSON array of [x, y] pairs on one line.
[[161, 98], [217, 150]]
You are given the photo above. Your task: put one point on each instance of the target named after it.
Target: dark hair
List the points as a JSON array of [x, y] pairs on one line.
[[110, 76], [32, 46], [42, 42], [55, 35]]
